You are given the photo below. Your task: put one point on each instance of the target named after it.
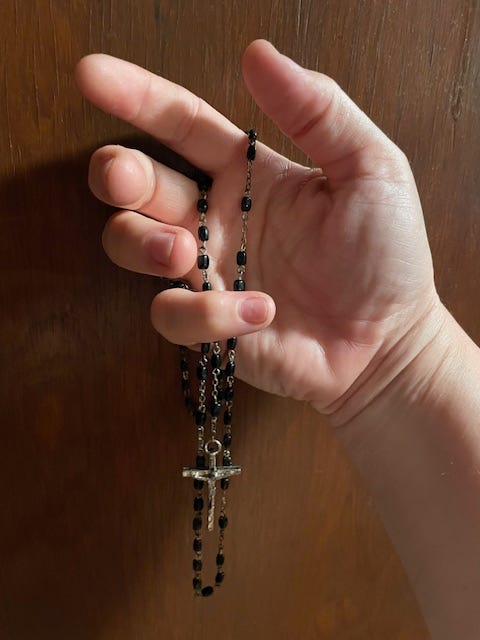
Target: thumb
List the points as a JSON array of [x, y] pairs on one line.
[[312, 110]]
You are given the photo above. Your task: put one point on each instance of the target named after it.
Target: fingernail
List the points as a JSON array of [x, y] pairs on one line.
[[253, 310], [160, 247]]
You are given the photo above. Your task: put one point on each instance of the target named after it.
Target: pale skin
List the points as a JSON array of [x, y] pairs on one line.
[[342, 309]]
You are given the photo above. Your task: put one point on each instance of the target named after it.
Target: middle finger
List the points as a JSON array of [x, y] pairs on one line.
[[129, 179]]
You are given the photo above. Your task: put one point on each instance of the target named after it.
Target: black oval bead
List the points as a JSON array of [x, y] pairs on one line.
[[197, 584], [183, 365], [230, 368], [205, 348], [215, 408], [251, 152], [200, 462], [202, 372], [239, 285], [197, 504], [225, 483], [252, 134], [197, 545], [227, 417], [220, 559], [223, 522], [203, 261], [206, 286], [207, 591], [246, 203], [216, 360], [219, 577], [203, 233], [200, 418], [227, 439], [231, 343], [185, 384], [188, 403], [204, 183], [197, 484], [220, 394], [202, 205], [241, 258], [227, 462], [177, 284], [197, 523], [197, 564], [229, 394]]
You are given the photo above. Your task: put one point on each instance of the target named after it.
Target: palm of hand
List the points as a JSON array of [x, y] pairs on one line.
[[346, 268]]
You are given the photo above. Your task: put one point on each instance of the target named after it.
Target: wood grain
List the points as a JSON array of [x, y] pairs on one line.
[[95, 527]]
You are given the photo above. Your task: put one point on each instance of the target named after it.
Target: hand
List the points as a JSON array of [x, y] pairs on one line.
[[341, 251]]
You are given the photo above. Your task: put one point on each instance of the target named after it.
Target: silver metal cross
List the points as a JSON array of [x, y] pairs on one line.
[[211, 476]]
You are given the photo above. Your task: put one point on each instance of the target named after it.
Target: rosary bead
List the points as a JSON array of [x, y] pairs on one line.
[[231, 343], [207, 591], [230, 368], [200, 418], [229, 394], [239, 285], [183, 365], [227, 417], [220, 559], [251, 152], [202, 205], [203, 261], [222, 522], [206, 286], [246, 203], [197, 523], [203, 233], [200, 462], [177, 284], [220, 392], [205, 348], [197, 584], [241, 258], [185, 384], [202, 372], [227, 439], [227, 461], [215, 408], [216, 360], [197, 545], [188, 403], [197, 504], [225, 483], [197, 484], [197, 564], [204, 183], [252, 135], [219, 577]]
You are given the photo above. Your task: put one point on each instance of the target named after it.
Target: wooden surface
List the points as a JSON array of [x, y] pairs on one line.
[[95, 537]]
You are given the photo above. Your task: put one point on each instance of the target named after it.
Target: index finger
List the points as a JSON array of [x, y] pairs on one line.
[[171, 113]]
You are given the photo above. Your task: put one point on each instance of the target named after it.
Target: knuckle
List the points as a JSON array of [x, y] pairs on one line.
[[186, 117]]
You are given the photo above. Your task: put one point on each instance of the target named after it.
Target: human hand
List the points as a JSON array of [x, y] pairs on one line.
[[344, 257]]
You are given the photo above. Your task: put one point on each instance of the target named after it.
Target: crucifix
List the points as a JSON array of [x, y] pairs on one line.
[[211, 476]]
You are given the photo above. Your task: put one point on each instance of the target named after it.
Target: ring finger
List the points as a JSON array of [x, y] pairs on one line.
[[138, 243]]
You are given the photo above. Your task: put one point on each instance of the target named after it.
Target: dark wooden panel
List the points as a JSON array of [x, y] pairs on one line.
[[95, 533]]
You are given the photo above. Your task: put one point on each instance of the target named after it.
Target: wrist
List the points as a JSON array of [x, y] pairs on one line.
[[408, 365]]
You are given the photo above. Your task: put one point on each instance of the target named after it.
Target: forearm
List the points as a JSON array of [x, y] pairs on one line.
[[418, 447]]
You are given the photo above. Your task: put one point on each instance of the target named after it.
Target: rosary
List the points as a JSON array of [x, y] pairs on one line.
[[218, 384]]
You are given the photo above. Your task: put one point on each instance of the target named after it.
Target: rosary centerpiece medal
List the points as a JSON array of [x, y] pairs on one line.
[[215, 375]]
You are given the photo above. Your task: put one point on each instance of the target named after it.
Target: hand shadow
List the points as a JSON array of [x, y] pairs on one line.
[[93, 434]]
